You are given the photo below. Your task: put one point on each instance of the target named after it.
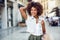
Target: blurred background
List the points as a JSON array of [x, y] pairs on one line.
[[12, 24]]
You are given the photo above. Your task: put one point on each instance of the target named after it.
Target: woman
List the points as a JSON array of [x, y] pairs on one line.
[[34, 20]]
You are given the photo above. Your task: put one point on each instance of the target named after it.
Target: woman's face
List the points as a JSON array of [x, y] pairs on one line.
[[33, 11]]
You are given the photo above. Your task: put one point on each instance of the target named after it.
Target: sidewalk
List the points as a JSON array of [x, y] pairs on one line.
[[17, 35], [8, 31]]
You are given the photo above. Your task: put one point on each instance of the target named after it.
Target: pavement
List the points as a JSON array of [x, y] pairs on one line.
[[19, 33]]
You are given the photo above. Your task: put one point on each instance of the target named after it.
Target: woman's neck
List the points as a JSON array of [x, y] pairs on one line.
[[36, 17]]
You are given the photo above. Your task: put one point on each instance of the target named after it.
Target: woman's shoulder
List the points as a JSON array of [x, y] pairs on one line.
[[41, 17]]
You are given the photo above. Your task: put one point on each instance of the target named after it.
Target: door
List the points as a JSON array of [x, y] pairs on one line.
[[10, 17]]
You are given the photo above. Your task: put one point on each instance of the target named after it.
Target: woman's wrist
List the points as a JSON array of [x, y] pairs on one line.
[[22, 8], [44, 32]]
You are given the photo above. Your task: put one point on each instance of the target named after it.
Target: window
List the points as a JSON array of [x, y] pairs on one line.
[[1, 1]]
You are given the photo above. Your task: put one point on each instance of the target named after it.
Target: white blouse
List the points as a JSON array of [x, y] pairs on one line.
[[33, 27]]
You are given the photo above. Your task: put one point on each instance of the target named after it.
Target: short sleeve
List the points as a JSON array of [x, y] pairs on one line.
[[42, 18]]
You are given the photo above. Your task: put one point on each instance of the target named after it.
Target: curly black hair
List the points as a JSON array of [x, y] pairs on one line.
[[37, 5]]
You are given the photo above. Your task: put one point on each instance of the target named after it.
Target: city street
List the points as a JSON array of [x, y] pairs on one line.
[[19, 33], [12, 20]]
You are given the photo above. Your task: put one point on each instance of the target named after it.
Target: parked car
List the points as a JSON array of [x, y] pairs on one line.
[[53, 21]]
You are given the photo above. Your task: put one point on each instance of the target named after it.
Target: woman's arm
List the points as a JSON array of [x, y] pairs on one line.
[[23, 12], [43, 27]]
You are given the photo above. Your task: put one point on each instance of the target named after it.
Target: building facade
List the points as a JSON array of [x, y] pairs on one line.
[[8, 12]]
